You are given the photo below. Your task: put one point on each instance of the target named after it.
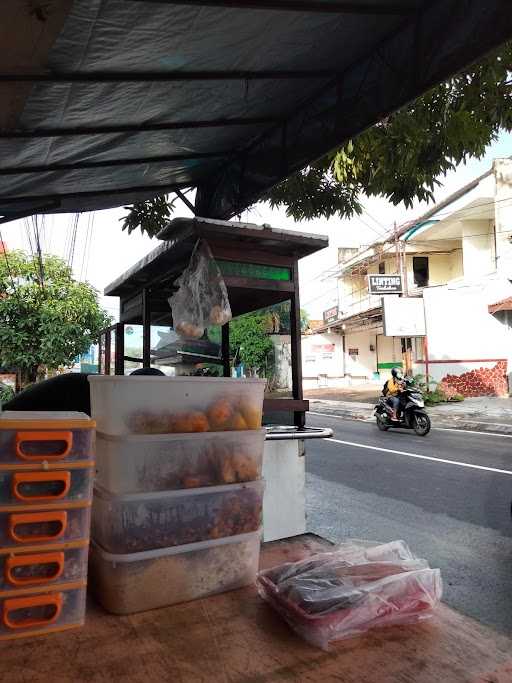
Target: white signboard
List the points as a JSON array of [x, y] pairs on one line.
[[403, 316]]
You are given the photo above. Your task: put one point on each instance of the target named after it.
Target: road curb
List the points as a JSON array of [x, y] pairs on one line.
[[464, 424]]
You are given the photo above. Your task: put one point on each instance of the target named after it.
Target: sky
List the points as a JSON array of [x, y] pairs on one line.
[[102, 251]]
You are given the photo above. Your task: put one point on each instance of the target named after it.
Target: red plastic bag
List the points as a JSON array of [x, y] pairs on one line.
[[352, 589]]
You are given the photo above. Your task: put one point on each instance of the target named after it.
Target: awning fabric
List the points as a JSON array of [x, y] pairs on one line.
[[503, 305], [106, 102]]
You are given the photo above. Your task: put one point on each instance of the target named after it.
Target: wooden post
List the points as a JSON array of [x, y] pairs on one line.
[[107, 352], [146, 329], [226, 366], [119, 367], [295, 338]]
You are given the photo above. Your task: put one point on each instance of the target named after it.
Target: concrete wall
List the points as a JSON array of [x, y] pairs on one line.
[[364, 363], [442, 268], [503, 216], [464, 339], [478, 248]]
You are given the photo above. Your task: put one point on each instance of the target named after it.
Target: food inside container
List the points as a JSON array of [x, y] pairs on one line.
[[171, 405], [145, 521], [125, 584], [356, 587], [137, 463]]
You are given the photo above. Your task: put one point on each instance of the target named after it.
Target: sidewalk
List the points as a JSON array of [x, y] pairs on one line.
[[486, 414]]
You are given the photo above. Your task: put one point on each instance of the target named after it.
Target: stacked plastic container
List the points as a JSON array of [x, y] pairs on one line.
[[178, 496], [46, 475]]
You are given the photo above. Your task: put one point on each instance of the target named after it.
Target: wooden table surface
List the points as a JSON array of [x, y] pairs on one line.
[[235, 637]]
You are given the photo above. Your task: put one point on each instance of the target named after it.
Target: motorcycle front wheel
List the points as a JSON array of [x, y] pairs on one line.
[[421, 424], [381, 423]]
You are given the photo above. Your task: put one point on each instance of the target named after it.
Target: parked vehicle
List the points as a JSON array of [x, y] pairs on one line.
[[411, 413]]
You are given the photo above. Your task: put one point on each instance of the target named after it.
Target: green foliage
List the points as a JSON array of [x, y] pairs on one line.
[[6, 393], [436, 392], [403, 157], [149, 216], [46, 317], [250, 343]]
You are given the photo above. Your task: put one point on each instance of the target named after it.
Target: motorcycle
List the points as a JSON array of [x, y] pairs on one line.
[[411, 412]]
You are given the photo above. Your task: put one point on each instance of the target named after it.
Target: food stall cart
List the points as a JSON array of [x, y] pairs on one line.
[[260, 268]]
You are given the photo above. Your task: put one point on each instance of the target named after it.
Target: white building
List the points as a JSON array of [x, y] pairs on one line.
[[457, 259]]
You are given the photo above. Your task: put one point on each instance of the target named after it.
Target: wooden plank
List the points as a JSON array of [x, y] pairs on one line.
[[146, 329], [228, 252], [285, 404], [226, 366], [296, 346], [237, 638]]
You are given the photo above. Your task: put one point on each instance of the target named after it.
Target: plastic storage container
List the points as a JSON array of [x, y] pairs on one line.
[[41, 612], [159, 405], [31, 527], [45, 485], [131, 583], [146, 521], [33, 569], [158, 462], [35, 437]]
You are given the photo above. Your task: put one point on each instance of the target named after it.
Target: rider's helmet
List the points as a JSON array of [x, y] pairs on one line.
[[397, 373]]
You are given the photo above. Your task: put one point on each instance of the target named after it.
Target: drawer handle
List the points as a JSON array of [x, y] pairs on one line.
[[21, 479], [16, 604], [24, 438], [59, 518], [53, 560]]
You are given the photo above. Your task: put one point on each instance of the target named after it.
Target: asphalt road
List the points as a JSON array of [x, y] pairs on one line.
[[448, 495]]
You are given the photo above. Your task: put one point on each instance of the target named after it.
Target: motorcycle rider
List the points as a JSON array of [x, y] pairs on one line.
[[393, 387]]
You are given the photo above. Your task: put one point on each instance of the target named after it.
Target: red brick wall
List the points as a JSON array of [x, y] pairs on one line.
[[481, 381]]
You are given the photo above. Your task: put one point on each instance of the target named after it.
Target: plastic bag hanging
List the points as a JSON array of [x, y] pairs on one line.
[[202, 298]]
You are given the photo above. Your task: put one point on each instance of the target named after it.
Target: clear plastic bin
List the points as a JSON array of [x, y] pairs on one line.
[[45, 485], [35, 437], [41, 612], [33, 527], [146, 521], [159, 462], [21, 570], [125, 584], [160, 405]]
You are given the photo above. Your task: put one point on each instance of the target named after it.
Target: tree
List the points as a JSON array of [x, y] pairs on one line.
[[250, 343], [46, 317], [403, 157]]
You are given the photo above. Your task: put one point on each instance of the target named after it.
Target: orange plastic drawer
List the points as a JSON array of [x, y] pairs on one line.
[[45, 485], [23, 570], [28, 526], [40, 613], [53, 437]]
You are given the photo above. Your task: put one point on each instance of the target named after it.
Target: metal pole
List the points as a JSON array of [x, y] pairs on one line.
[[146, 329]]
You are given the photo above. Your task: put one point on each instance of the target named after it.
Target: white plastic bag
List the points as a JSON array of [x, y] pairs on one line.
[[202, 298], [352, 589]]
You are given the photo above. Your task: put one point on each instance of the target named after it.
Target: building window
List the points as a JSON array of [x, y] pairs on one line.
[[382, 268], [420, 270]]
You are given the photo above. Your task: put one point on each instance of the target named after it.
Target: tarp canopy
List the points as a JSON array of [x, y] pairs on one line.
[[106, 102]]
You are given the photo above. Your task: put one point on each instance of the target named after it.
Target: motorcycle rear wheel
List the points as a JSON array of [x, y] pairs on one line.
[[421, 424], [381, 423]]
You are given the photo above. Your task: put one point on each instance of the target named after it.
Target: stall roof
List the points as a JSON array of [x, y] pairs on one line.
[[167, 261], [106, 102]]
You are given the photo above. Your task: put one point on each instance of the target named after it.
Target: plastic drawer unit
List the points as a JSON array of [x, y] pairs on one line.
[[40, 484], [21, 570], [37, 437], [145, 521], [159, 405], [158, 462], [42, 612], [125, 584], [32, 527]]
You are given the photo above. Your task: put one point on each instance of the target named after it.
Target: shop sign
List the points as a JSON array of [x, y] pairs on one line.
[[331, 314], [385, 284], [353, 352], [323, 348], [403, 317]]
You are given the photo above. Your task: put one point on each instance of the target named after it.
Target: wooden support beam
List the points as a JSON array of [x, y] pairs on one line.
[[318, 6], [226, 365], [146, 329]]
